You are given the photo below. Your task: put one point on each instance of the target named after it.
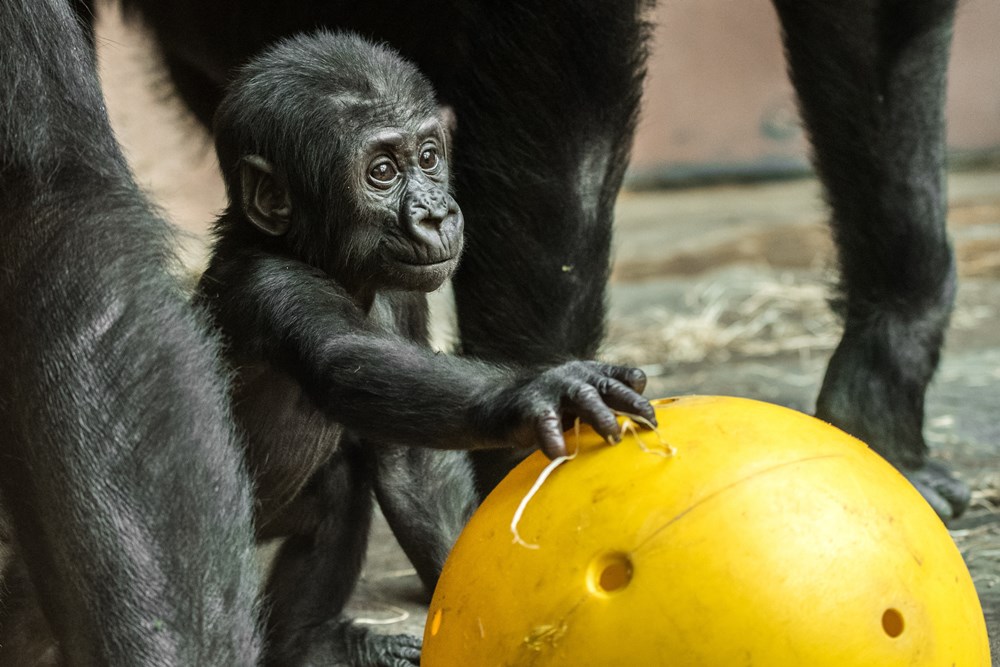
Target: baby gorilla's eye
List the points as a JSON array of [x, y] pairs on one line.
[[383, 173], [429, 158]]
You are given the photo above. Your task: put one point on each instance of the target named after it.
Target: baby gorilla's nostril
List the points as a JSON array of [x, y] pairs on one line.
[[432, 218], [427, 211]]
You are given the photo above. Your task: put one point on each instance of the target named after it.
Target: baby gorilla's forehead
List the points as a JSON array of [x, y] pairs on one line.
[[366, 127], [388, 111]]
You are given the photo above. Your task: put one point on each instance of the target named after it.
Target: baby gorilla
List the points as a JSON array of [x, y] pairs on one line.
[[340, 218]]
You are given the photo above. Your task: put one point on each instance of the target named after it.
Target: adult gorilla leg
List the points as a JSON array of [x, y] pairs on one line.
[[870, 75], [546, 99], [118, 466]]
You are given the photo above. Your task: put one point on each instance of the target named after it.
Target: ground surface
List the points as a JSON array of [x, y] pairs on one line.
[[715, 291]]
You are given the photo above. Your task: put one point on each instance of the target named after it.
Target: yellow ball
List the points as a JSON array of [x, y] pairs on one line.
[[740, 533]]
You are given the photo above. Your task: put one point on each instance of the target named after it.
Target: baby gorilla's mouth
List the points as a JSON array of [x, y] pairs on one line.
[[416, 259], [422, 263], [423, 274]]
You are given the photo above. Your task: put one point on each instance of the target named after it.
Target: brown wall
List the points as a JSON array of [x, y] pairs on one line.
[[717, 95]]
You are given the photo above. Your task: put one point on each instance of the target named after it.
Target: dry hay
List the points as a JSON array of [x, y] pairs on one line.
[[980, 543], [721, 320]]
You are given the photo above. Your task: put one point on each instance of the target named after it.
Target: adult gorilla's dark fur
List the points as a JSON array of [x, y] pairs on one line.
[[122, 484], [118, 470]]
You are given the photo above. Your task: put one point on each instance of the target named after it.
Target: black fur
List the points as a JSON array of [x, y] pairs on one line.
[[340, 219], [123, 495]]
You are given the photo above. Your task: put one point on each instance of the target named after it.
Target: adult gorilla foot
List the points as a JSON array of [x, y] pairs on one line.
[[874, 389], [948, 495]]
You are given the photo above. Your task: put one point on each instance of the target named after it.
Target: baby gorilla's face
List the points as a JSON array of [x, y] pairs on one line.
[[402, 181]]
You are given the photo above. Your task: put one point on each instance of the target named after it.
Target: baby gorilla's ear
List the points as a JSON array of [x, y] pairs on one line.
[[448, 119], [449, 123], [266, 201]]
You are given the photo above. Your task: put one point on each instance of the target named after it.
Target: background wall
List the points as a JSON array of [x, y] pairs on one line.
[[718, 99]]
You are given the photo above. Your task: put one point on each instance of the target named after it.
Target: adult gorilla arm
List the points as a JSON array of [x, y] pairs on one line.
[[545, 118], [118, 466], [546, 97]]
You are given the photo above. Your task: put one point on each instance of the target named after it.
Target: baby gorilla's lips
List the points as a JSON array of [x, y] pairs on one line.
[[425, 276], [418, 257], [420, 263]]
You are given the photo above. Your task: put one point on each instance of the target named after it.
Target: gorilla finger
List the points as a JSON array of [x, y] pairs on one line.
[[633, 377], [620, 397], [548, 430], [586, 402]]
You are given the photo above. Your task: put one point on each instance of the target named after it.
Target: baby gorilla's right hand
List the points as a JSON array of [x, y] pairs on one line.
[[537, 409]]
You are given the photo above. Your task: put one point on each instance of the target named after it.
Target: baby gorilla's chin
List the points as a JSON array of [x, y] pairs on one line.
[[420, 277]]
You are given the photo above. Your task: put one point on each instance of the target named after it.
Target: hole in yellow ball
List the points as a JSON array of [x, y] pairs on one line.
[[436, 623], [658, 402], [892, 622], [609, 573]]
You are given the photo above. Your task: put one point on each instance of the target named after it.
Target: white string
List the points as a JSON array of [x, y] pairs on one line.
[[553, 464], [628, 424], [401, 615], [668, 449]]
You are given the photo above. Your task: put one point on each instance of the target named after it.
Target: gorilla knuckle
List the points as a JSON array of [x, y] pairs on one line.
[[585, 393]]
